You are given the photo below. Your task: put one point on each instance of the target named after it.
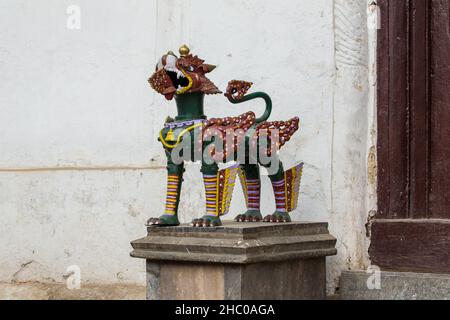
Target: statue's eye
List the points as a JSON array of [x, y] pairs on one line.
[[190, 68]]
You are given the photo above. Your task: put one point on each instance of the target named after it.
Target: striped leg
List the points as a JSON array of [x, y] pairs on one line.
[[173, 194], [219, 187], [251, 185], [174, 181], [286, 186], [280, 195], [211, 193], [211, 181], [254, 194]]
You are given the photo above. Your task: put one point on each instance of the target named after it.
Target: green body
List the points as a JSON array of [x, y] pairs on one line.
[[190, 106]]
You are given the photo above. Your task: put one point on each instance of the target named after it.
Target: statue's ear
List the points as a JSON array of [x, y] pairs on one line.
[[208, 67]]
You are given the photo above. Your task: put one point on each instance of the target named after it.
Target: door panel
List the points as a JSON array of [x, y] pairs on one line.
[[440, 110], [411, 231], [419, 110], [392, 112]]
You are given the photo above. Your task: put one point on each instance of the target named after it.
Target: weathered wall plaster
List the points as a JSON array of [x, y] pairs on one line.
[[80, 167]]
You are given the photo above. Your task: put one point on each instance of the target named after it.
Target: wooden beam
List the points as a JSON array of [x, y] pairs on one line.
[[411, 245]]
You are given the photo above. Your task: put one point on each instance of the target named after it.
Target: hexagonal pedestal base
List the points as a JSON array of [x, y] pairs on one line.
[[236, 261]]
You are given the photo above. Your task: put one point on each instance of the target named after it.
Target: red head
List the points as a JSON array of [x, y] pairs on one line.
[[182, 75]]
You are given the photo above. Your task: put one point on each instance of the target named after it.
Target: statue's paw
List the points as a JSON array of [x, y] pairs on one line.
[[244, 218], [249, 216], [278, 217], [206, 221], [163, 221]]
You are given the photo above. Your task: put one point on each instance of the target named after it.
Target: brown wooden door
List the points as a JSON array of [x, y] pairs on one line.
[[411, 231]]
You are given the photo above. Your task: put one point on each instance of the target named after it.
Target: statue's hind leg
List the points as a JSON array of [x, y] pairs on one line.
[[279, 190], [251, 185], [285, 186]]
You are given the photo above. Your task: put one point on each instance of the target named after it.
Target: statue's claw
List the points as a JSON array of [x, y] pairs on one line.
[[270, 218], [278, 217], [163, 221], [245, 218], [151, 221], [206, 221], [249, 216]]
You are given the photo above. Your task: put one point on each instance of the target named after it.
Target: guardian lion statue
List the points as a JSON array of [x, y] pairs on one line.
[[247, 141]]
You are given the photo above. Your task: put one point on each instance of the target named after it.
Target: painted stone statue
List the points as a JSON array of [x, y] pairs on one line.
[[246, 140]]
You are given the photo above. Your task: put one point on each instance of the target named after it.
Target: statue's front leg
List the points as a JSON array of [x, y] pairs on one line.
[[211, 177], [174, 182]]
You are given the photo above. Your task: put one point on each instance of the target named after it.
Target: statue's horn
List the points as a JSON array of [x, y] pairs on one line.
[[208, 67]]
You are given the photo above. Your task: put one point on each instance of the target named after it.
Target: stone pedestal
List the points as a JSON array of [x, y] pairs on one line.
[[236, 261]]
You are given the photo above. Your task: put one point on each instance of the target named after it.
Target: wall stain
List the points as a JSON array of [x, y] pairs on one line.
[[370, 220], [372, 166]]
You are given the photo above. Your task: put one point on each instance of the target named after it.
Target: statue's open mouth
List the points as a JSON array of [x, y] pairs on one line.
[[180, 80], [170, 81]]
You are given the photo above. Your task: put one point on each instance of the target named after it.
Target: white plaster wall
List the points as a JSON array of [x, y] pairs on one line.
[[80, 167]]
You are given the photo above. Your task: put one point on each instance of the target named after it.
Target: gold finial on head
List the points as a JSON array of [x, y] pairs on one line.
[[184, 50]]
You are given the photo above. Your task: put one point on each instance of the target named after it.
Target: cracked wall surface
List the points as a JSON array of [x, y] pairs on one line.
[[80, 167], [352, 117]]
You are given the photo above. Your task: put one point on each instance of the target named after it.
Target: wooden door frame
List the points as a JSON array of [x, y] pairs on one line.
[[403, 237]]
